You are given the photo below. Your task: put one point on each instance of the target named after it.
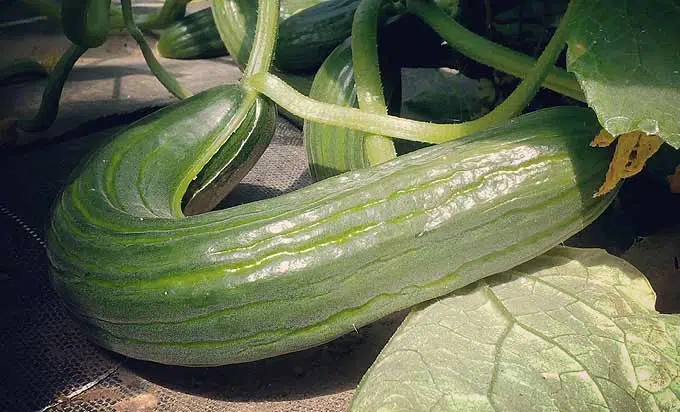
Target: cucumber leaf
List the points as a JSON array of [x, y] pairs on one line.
[[571, 330], [626, 58]]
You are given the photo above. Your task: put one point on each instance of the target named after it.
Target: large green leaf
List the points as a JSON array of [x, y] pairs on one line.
[[626, 56], [571, 330]]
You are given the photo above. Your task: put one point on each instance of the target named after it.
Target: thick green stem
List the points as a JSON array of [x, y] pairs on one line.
[[49, 106], [406, 129], [266, 30], [161, 74], [489, 53], [527, 89], [313, 110], [370, 93]]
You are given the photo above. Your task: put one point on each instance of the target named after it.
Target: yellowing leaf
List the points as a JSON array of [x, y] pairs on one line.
[[632, 151], [603, 139]]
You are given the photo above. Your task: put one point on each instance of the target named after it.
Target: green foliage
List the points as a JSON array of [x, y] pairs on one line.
[[627, 60], [571, 330]]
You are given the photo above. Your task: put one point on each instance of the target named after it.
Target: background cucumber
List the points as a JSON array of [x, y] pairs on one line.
[[193, 37], [305, 39], [308, 37], [289, 273], [196, 36]]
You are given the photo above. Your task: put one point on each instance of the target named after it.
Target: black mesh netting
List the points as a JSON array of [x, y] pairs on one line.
[[44, 358]]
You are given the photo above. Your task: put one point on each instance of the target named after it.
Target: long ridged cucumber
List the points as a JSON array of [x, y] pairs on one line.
[[289, 273]]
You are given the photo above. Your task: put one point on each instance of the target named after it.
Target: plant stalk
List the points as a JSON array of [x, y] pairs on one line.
[[369, 87], [49, 105], [159, 71], [264, 42], [489, 53], [378, 123]]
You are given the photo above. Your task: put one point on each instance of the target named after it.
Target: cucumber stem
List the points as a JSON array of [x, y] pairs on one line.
[[406, 129], [489, 53], [159, 71], [527, 89], [264, 42], [49, 106], [333, 115], [369, 87]]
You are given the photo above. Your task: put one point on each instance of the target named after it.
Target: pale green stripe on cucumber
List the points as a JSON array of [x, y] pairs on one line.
[[289, 273]]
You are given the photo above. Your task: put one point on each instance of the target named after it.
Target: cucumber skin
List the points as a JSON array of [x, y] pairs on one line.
[[196, 35], [308, 37], [304, 40], [332, 150], [193, 37], [86, 22], [293, 272]]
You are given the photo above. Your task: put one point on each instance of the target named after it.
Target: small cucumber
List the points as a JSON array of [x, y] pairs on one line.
[[193, 37], [196, 35], [305, 39], [332, 150], [308, 37]]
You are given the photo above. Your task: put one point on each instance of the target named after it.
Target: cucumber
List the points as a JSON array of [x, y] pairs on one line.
[[305, 39], [290, 7], [193, 37], [285, 274], [332, 150], [196, 35], [308, 37], [235, 157]]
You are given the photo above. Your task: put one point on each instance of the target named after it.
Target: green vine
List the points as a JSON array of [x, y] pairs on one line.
[[369, 87], [382, 124], [159, 71], [489, 53], [49, 106]]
